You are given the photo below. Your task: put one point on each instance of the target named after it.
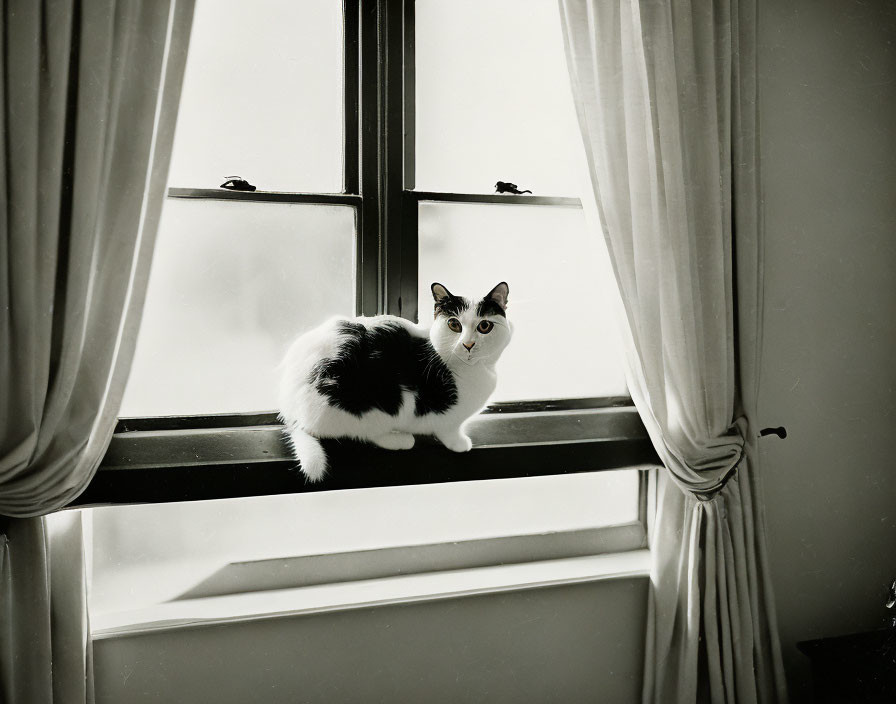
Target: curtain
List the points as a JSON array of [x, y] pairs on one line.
[[666, 98], [88, 101]]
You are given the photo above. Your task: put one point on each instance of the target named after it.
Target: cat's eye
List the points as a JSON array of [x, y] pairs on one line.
[[485, 326], [454, 325]]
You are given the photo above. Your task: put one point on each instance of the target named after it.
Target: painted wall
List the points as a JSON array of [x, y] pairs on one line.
[[578, 643], [828, 82]]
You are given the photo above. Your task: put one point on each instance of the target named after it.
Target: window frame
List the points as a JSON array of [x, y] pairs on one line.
[[188, 458]]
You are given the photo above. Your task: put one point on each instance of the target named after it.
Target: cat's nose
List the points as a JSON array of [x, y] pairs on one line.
[[468, 345]]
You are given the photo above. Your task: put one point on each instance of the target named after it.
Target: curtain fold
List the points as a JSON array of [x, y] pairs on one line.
[[666, 99], [88, 98]]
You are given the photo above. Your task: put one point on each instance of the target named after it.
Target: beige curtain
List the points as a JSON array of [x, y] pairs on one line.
[[87, 107], [666, 98]]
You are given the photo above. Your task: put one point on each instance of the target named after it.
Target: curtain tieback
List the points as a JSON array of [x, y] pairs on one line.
[[709, 493], [713, 491]]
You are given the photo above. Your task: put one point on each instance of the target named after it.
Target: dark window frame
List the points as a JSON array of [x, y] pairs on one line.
[[189, 458]]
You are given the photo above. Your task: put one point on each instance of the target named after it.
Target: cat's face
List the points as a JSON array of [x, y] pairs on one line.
[[470, 331]]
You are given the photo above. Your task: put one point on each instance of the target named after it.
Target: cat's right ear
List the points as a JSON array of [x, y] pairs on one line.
[[440, 293]]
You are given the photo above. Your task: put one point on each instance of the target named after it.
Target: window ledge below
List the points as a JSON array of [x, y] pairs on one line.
[[198, 613]]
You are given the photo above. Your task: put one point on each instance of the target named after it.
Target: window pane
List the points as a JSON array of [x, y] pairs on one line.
[[565, 340], [493, 98], [135, 565], [231, 284], [262, 96]]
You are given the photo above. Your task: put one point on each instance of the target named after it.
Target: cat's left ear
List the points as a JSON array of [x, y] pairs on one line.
[[499, 294]]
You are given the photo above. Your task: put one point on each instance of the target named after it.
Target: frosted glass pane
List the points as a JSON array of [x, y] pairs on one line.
[[148, 554], [565, 341], [493, 98], [262, 96], [231, 284]]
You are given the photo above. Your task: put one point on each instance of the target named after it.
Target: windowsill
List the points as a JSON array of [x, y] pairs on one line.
[[197, 613], [271, 574], [200, 463]]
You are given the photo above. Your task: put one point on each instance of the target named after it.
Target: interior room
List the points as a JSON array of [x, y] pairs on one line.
[[428, 351]]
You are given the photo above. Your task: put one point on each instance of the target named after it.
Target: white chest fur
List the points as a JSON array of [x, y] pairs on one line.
[[475, 385]]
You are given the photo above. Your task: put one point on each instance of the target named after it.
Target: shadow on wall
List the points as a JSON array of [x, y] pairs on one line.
[[828, 92]]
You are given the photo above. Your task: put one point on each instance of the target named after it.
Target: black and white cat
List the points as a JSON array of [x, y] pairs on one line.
[[384, 379]]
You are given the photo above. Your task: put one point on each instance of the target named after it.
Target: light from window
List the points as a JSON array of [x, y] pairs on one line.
[[149, 554], [565, 340], [231, 285], [262, 96], [493, 98]]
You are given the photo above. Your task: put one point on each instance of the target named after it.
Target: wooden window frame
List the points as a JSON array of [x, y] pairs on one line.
[[189, 458]]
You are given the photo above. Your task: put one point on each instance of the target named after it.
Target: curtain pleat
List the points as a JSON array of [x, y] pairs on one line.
[[666, 99], [88, 101], [25, 623], [87, 146]]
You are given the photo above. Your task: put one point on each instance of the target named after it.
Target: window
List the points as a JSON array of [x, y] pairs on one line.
[[375, 133], [227, 294], [492, 100], [263, 94], [233, 281]]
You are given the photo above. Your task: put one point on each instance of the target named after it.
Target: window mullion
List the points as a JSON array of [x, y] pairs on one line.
[[409, 245], [351, 109], [410, 102], [399, 251], [387, 254], [369, 252]]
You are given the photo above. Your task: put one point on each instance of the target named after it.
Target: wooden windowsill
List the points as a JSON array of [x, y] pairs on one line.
[[201, 463]]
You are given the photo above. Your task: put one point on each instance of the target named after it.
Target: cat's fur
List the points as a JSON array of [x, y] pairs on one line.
[[384, 379]]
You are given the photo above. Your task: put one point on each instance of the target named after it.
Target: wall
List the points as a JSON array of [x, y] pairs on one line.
[[828, 91], [828, 82], [578, 643]]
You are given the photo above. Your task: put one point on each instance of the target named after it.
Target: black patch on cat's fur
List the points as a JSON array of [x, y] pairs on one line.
[[489, 306], [374, 366], [451, 306]]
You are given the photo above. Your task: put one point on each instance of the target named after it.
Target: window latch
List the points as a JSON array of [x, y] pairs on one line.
[[507, 187], [237, 183]]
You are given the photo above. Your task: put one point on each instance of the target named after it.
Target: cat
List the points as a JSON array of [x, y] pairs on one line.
[[383, 379]]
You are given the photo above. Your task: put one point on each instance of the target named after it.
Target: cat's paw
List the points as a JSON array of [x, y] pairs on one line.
[[395, 441], [457, 443]]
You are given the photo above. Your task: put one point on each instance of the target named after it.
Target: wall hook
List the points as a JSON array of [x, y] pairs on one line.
[[780, 431]]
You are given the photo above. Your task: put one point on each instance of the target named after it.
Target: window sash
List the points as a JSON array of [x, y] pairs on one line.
[[231, 455]]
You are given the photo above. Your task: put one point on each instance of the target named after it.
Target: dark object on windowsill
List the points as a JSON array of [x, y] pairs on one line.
[[236, 183], [780, 431], [507, 187]]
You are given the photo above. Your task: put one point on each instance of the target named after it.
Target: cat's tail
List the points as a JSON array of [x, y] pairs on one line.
[[309, 452]]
